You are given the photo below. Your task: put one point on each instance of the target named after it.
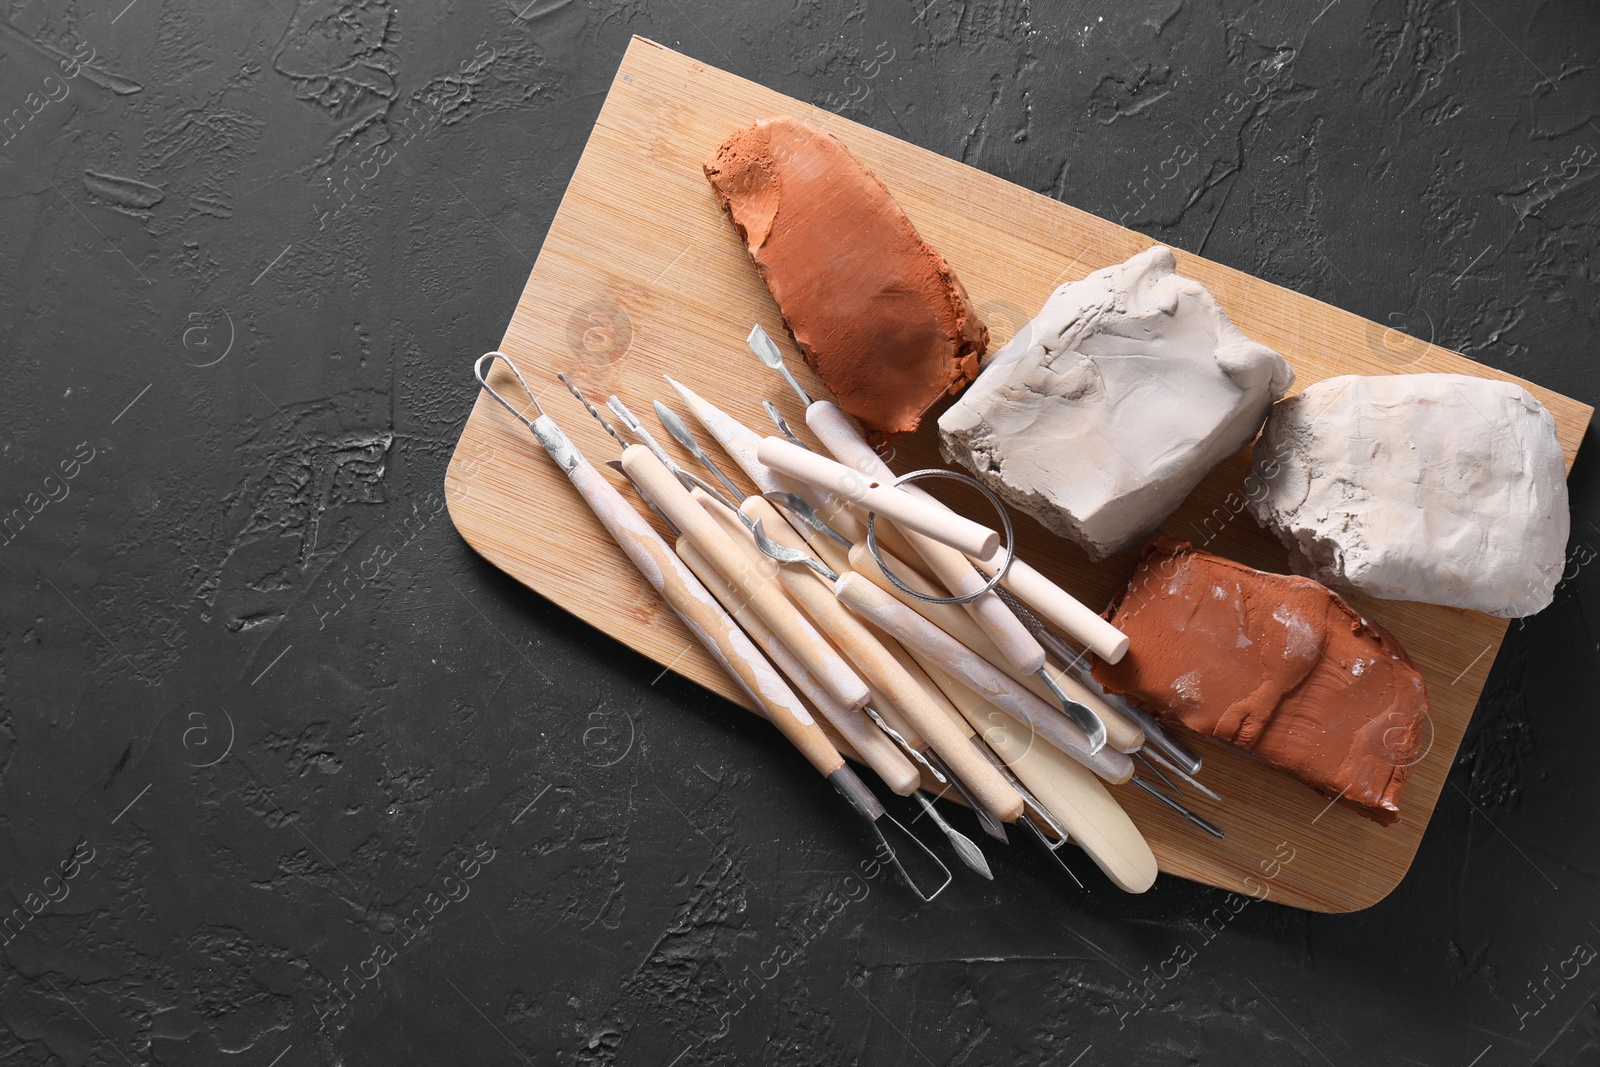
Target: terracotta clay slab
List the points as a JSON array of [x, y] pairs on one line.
[[642, 275]]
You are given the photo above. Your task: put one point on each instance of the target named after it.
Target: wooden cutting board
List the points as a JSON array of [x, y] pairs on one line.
[[641, 274]]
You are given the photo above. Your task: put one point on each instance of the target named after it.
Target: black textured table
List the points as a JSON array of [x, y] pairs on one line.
[[289, 776]]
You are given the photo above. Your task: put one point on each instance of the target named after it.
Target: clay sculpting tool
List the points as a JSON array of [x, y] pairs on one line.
[[960, 628], [1047, 598], [765, 598], [907, 511], [1158, 741], [969, 852], [875, 657], [710, 625], [899, 688], [875, 747]]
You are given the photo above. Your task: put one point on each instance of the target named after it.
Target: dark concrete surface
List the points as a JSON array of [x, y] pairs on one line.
[[289, 776]]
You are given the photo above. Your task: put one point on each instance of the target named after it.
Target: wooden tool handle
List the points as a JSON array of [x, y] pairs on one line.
[[1122, 733], [1079, 801], [891, 679], [871, 744], [985, 679], [910, 512], [840, 435], [711, 625], [764, 595], [1062, 610]]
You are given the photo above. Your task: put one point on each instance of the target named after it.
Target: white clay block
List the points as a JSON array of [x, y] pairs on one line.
[[1442, 488], [1106, 409]]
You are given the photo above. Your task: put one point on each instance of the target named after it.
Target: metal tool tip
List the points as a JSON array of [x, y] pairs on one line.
[[922, 853], [761, 344]]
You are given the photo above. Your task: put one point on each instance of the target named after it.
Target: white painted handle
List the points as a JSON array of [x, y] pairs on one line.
[[840, 435], [910, 512], [705, 619], [985, 679]]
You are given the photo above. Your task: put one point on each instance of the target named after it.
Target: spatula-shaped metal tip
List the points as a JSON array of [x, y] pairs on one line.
[[966, 850], [763, 347], [791, 502], [917, 854], [761, 344]]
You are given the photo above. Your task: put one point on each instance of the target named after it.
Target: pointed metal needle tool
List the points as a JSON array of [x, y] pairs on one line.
[[1153, 756], [681, 434], [1208, 827], [1039, 836], [764, 348], [969, 852]]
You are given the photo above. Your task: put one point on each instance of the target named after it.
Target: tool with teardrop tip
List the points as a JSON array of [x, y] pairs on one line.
[[710, 625], [631, 423], [680, 433], [969, 852], [907, 511], [765, 350]]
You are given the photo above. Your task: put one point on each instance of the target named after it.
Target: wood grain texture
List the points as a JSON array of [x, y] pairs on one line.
[[641, 275]]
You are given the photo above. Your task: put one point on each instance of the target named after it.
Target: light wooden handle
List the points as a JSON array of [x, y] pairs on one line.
[[1122, 733], [985, 679], [710, 625], [871, 744], [840, 435], [888, 677], [764, 595], [1079, 801], [1062, 610], [910, 512]]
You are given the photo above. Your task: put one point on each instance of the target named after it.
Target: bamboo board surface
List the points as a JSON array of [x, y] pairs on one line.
[[641, 274]]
